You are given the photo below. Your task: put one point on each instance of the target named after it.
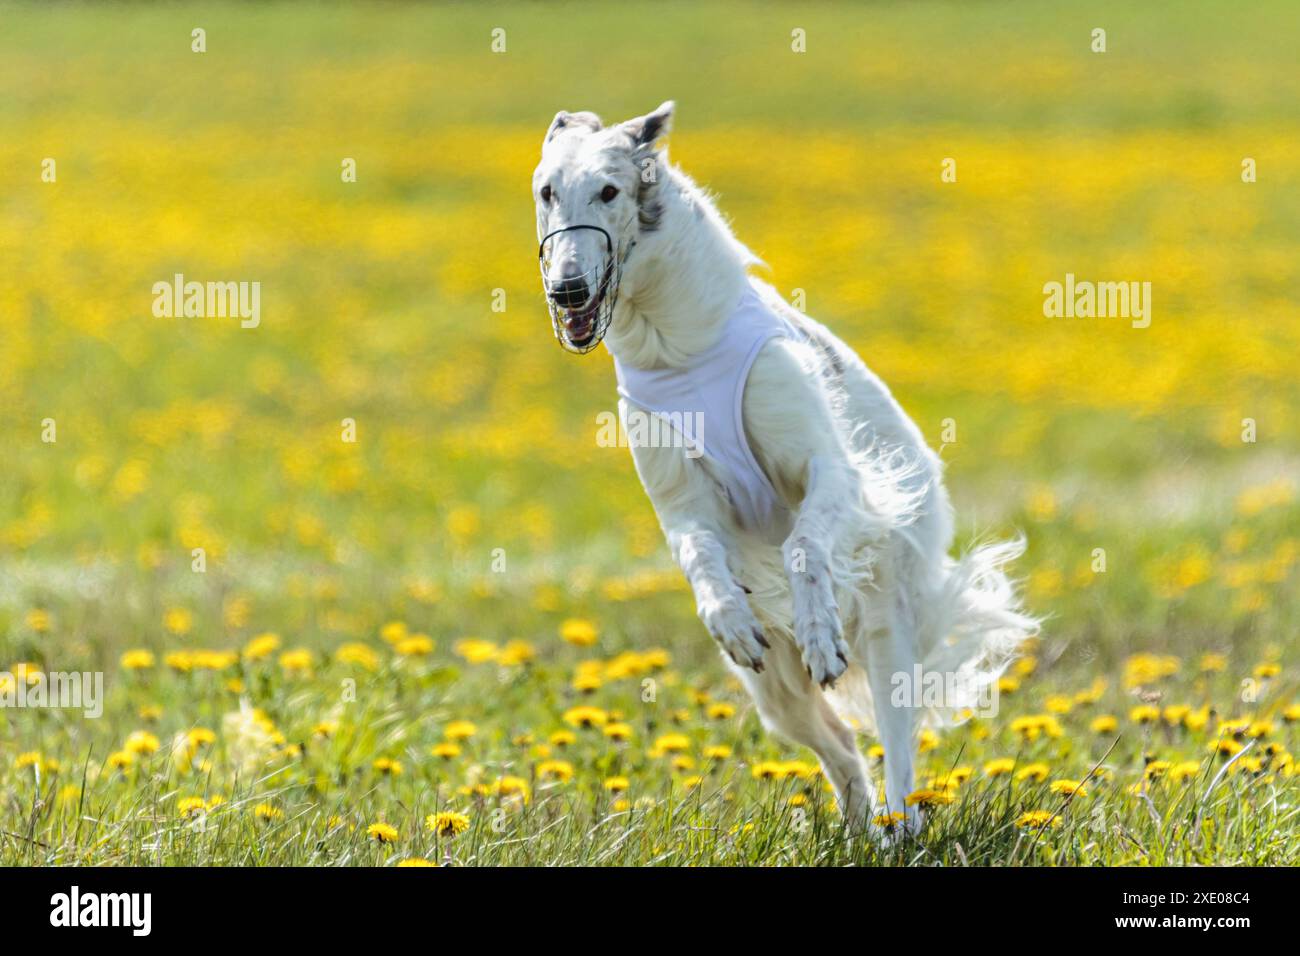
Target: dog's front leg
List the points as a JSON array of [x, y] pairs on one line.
[[686, 500], [796, 438], [808, 554], [719, 600]]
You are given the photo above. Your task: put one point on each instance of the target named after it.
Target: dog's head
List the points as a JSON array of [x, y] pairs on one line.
[[595, 191]]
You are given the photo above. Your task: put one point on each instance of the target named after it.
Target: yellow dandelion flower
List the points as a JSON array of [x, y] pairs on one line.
[[1144, 714], [188, 807], [560, 770], [137, 660], [1104, 724], [1093, 693], [1260, 728], [1212, 663], [363, 655], [928, 798], [416, 861], [473, 650], [616, 784], [296, 662], [1058, 704], [579, 632], [672, 743], [459, 730], [1036, 772], [1038, 820], [515, 653], [120, 760], [261, 647], [417, 645], [1225, 746], [1235, 727], [512, 787], [999, 767], [620, 732], [388, 767], [446, 750], [141, 742], [1033, 726], [585, 717], [382, 833], [214, 660], [1156, 768], [446, 823], [1073, 788], [178, 620], [1141, 669], [31, 758]]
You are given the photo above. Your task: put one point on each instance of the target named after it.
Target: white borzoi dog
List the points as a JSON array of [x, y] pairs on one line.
[[813, 528]]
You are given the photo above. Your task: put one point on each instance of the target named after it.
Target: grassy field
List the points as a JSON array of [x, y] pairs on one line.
[[469, 610]]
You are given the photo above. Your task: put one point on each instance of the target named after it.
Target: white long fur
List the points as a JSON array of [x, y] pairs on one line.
[[871, 523]]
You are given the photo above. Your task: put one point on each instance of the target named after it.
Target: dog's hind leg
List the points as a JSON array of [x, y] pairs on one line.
[[892, 655], [793, 707]]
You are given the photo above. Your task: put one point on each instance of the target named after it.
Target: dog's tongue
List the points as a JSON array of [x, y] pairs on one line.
[[578, 325]]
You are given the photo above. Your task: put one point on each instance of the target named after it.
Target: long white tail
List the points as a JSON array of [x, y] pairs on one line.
[[973, 627]]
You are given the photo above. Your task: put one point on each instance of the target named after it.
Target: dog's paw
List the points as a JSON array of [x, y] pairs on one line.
[[817, 627], [825, 655], [734, 626]]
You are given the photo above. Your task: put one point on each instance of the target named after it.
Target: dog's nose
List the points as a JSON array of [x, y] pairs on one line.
[[569, 293]]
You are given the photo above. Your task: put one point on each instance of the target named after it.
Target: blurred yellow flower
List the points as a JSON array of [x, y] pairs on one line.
[[579, 632], [178, 620], [137, 660], [261, 647]]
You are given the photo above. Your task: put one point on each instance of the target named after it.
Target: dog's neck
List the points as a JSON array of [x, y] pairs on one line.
[[680, 282]]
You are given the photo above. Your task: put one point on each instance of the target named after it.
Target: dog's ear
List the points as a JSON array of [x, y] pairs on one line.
[[564, 119], [647, 130]]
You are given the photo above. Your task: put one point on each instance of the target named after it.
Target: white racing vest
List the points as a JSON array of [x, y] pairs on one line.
[[709, 392]]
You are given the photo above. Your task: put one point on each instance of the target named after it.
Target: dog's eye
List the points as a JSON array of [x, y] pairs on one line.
[[546, 193], [608, 193]]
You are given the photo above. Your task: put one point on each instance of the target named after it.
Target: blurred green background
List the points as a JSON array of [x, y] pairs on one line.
[[476, 433]]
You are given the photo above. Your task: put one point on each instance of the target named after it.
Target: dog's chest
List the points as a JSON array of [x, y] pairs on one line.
[[699, 409]]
